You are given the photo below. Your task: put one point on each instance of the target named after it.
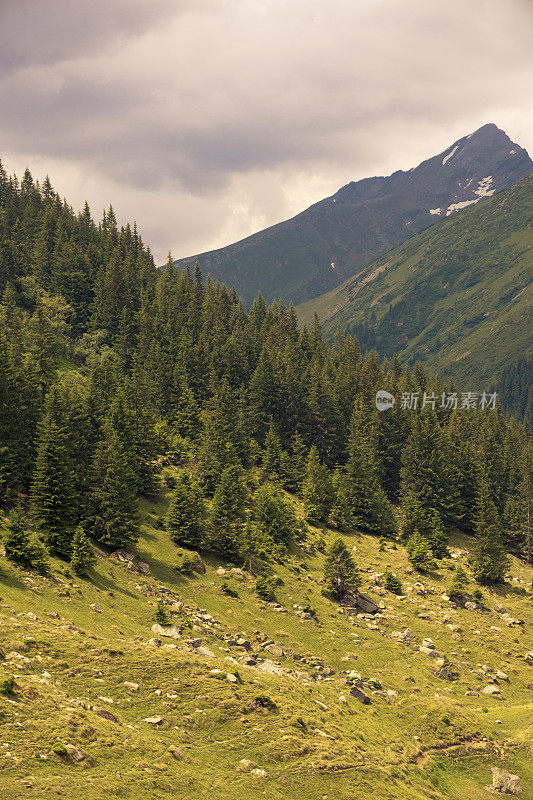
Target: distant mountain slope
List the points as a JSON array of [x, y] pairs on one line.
[[456, 296], [318, 249]]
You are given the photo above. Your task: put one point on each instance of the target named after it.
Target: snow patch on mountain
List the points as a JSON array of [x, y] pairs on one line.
[[459, 206], [450, 155], [483, 189], [434, 210]]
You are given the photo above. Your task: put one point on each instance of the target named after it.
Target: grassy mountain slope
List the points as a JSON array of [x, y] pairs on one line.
[[426, 738], [456, 296]]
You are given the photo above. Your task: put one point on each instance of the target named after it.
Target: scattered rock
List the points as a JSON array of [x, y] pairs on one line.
[[502, 676], [166, 630], [238, 573], [529, 657], [153, 720], [245, 765], [505, 782], [258, 773], [492, 688], [96, 608], [105, 714], [75, 752], [205, 651], [275, 650], [360, 695], [447, 672], [221, 571], [133, 687]]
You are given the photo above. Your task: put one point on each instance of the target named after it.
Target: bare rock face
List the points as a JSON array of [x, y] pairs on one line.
[[505, 782]]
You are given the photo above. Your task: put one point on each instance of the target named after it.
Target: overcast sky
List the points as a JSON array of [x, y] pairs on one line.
[[206, 120]]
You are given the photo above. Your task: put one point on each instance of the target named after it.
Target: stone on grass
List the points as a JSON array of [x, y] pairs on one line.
[[360, 695], [133, 687], [505, 782], [258, 773], [153, 720], [492, 688], [166, 630], [245, 765], [75, 752]]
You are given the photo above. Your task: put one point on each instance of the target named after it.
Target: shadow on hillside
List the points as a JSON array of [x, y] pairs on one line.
[[107, 585], [10, 579]]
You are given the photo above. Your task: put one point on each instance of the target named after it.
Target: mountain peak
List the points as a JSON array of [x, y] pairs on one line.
[[336, 237]]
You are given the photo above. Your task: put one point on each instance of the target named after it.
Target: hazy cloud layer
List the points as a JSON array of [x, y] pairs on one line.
[[208, 119]]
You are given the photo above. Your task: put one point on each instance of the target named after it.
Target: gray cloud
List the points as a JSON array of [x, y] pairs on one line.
[[217, 117]]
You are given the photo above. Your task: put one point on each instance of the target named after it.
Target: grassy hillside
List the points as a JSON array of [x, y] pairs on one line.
[[188, 716], [457, 296]]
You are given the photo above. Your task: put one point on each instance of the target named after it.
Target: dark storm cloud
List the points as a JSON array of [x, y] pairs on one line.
[[220, 116]]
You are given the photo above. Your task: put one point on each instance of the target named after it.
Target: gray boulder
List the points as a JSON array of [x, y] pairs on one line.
[[505, 782]]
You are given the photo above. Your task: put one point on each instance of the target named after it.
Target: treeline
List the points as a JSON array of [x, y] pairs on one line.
[[108, 364]]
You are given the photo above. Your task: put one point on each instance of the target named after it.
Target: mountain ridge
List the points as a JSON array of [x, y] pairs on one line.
[[302, 257]]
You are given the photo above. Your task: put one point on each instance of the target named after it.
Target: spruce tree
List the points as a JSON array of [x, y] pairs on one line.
[[317, 491], [83, 555], [161, 614], [340, 572], [227, 513], [459, 583], [419, 553], [489, 559], [272, 455], [21, 548], [186, 513], [53, 495], [274, 516], [112, 514]]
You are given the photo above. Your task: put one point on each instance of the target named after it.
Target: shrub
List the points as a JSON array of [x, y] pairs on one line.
[[161, 614], [392, 583], [459, 582], [228, 590], [186, 565], [265, 588], [7, 685]]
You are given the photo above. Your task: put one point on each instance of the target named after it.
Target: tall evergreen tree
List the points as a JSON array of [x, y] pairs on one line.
[[340, 571], [317, 491], [112, 513], [83, 555], [489, 559], [186, 513]]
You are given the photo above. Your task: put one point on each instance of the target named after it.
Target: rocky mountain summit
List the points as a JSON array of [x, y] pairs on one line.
[[315, 251]]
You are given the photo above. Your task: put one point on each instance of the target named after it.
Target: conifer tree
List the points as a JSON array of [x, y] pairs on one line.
[[272, 455], [227, 512], [273, 516], [340, 571], [459, 583], [161, 613], [186, 513], [419, 553], [112, 514], [21, 548], [489, 559], [317, 489], [83, 555], [53, 495]]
